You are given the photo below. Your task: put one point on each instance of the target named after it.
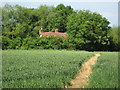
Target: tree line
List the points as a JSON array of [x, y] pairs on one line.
[[86, 30]]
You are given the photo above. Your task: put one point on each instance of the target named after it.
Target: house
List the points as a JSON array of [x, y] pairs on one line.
[[47, 34]]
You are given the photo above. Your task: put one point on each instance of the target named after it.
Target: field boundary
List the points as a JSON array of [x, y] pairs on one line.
[[81, 78]]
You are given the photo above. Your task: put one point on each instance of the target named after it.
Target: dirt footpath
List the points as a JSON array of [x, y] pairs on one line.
[[81, 78]]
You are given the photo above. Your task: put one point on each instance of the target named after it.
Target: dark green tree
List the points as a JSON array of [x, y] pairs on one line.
[[62, 13], [90, 27], [86, 30]]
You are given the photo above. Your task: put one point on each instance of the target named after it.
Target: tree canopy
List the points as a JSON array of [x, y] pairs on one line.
[[86, 30]]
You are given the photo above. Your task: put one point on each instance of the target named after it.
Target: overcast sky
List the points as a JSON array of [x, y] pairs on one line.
[[107, 8]]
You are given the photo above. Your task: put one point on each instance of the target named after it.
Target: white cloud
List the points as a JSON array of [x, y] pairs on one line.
[[108, 14]]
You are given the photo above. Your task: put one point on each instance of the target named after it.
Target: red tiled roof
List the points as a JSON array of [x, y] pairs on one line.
[[54, 34]]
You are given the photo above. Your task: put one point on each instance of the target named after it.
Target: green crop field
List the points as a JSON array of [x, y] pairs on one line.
[[55, 68], [105, 74], [40, 68]]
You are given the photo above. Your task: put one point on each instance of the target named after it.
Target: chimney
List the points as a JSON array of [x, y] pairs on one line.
[[40, 31], [56, 30]]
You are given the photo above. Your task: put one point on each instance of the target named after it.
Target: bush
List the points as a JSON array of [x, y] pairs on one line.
[[114, 33]]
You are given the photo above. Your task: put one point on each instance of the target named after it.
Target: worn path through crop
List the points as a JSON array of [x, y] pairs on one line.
[[81, 78]]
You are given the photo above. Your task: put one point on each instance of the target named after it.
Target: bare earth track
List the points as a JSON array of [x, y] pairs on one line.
[[81, 78]]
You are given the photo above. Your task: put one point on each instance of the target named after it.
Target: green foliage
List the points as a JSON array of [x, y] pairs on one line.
[[8, 43], [5, 42], [114, 34], [61, 16], [86, 30], [40, 68], [52, 43], [91, 27]]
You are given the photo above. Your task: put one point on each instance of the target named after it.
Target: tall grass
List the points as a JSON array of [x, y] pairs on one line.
[[105, 72], [41, 68]]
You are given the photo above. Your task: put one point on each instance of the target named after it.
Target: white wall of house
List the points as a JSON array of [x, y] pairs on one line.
[[40, 35]]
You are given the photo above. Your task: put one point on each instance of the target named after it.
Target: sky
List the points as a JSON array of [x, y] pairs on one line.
[[107, 8]]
